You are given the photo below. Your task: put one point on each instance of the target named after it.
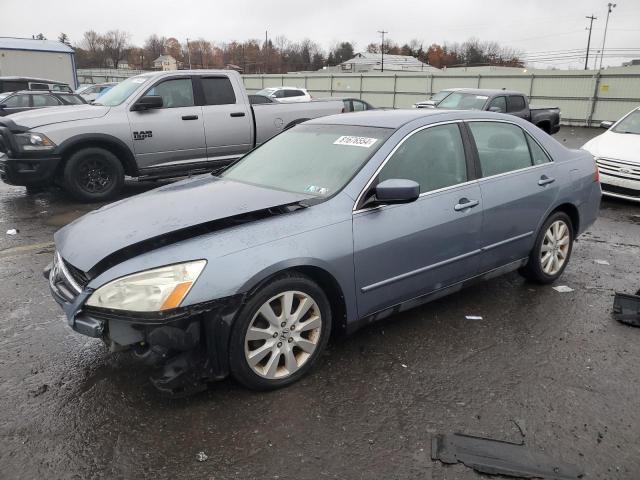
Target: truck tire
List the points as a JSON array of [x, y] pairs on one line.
[[93, 175]]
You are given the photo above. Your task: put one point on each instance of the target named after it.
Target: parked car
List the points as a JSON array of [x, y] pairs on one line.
[[91, 92], [354, 104], [154, 125], [502, 101], [15, 102], [333, 224], [13, 84], [286, 94], [617, 153], [435, 98]]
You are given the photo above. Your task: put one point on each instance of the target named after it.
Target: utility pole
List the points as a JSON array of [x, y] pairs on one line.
[[382, 32], [610, 6], [266, 51], [586, 60], [189, 53]]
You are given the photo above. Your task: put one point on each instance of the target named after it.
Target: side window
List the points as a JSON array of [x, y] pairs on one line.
[[279, 94], [537, 153], [44, 101], [218, 91], [294, 93], [500, 103], [175, 93], [358, 106], [14, 85], [516, 103], [17, 101], [38, 86], [502, 147], [433, 157]]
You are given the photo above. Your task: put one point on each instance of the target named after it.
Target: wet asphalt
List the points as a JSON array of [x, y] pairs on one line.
[[551, 369]]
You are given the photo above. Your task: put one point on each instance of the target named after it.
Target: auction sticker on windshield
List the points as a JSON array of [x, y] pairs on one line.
[[365, 142]]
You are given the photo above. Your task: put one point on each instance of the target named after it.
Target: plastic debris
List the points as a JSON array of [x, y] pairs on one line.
[[403, 365], [473, 317], [12, 231], [201, 457], [602, 262], [626, 308], [563, 289]]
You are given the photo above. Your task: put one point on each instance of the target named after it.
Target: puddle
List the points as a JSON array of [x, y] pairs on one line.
[[62, 219]]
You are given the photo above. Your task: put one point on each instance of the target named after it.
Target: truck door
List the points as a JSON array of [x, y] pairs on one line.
[[173, 134], [228, 123], [516, 105]]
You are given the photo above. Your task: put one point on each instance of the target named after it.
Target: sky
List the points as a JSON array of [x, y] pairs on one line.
[[539, 28]]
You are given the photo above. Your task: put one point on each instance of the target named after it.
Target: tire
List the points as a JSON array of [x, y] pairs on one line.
[[35, 189], [93, 175], [281, 355], [556, 239]]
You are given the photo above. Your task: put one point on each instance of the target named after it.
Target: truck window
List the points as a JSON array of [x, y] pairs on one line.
[[293, 93], [516, 103], [175, 93], [500, 103], [38, 86], [44, 101], [218, 91], [14, 85]]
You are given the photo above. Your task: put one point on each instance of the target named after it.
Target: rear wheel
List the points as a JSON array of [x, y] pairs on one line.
[[280, 333], [93, 175], [552, 250]]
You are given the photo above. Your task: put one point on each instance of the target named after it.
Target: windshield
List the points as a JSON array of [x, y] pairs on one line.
[[440, 95], [463, 101], [4, 95], [266, 92], [122, 91], [629, 124], [313, 159]]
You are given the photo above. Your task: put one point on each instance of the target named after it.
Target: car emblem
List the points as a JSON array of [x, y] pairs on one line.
[[625, 170]]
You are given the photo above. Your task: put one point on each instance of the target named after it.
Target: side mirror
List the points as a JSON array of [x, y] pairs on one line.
[[606, 124], [3, 106], [147, 102], [495, 109], [397, 191]]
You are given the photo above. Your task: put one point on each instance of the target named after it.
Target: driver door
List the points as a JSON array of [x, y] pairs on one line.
[[407, 250], [173, 134]]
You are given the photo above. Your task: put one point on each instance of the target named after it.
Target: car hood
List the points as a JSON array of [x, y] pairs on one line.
[[620, 146], [122, 230], [45, 116]]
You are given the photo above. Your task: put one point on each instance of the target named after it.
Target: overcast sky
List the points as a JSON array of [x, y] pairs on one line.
[[529, 25]]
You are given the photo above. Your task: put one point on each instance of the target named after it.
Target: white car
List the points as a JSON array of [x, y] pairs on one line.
[[617, 153], [286, 94], [91, 92]]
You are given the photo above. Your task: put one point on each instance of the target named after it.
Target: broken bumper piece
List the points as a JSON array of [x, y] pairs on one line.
[[626, 308]]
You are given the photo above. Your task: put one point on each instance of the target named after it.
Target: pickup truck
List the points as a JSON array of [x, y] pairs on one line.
[[154, 125], [501, 101]]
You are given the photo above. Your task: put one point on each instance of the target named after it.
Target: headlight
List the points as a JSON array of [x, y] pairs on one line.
[[32, 141], [150, 291]]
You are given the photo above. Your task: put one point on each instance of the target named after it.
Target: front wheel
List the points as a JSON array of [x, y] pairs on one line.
[[552, 250], [280, 333], [93, 175]]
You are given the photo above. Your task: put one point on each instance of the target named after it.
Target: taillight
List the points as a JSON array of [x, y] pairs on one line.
[[596, 174], [342, 109]]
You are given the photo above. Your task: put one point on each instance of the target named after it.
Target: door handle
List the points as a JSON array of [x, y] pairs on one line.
[[237, 114], [190, 117], [544, 180], [464, 204]]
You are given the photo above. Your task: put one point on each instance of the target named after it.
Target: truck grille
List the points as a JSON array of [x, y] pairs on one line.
[[619, 168], [65, 280]]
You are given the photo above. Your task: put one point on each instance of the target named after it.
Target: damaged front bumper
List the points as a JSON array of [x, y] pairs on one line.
[[188, 345]]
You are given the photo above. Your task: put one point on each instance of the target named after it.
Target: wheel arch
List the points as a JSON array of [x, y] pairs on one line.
[[574, 214], [544, 125], [99, 140]]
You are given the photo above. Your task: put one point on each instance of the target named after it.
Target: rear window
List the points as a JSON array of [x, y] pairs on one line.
[[218, 91], [463, 101], [72, 99]]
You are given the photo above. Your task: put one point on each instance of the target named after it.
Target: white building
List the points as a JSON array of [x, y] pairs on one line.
[[165, 62], [46, 59], [372, 62]]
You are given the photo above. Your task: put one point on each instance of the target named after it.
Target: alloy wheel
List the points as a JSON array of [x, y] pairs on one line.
[[555, 247], [283, 334], [95, 176]]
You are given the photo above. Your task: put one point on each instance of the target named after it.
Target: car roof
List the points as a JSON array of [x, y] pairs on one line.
[[485, 91], [33, 79], [34, 92], [397, 118]]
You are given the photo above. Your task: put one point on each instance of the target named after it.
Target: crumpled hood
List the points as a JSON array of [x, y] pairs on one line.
[[620, 146], [165, 215], [45, 116]]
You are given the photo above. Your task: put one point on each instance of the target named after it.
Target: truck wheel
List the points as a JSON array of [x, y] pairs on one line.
[[280, 333], [93, 175]]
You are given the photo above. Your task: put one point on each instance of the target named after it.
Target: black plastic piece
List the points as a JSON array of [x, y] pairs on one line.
[[626, 308], [495, 457]]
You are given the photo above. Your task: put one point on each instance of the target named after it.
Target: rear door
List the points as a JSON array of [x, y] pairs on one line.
[[404, 251], [518, 187], [517, 105], [227, 119], [171, 135], [41, 100]]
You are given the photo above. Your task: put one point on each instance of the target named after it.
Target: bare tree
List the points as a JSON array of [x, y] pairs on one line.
[[115, 44]]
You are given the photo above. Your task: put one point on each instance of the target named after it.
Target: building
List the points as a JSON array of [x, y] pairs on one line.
[[372, 62], [47, 59], [165, 62]]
